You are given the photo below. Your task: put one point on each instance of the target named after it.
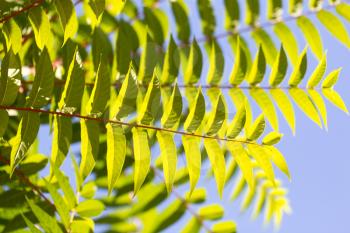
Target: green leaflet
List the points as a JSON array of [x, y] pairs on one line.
[[252, 12], [208, 20], [157, 23], [272, 138], [193, 159], [171, 63], [115, 7], [196, 114], [180, 12], [211, 212], [335, 99], [101, 49], [318, 73], [148, 61], [4, 118], [331, 79], [116, 152], [238, 122], [260, 202], [173, 109], [232, 14], [74, 86], [242, 159], [26, 134], [238, 97], [295, 6], [240, 67], [257, 128], [67, 190], [89, 146], [304, 103], [266, 105], [311, 35], [217, 63], [278, 159], [319, 103], [61, 140], [60, 204], [101, 91], [194, 65], [98, 7], [343, 9], [48, 223], [41, 26], [335, 26], [315, 4], [258, 68], [265, 41], [192, 226], [224, 227], [68, 18], [299, 70], [83, 225], [217, 117], [126, 100], [285, 106], [287, 38], [142, 157], [30, 225], [13, 36], [169, 157], [10, 79], [274, 9], [150, 104], [43, 82], [90, 208], [217, 161], [279, 68], [260, 154]]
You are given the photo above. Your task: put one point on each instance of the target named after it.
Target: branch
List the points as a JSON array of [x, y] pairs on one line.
[[71, 115], [24, 9]]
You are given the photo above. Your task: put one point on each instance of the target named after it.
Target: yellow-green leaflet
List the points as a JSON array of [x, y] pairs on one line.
[[335, 26], [217, 63], [264, 40], [260, 202], [157, 24], [116, 151], [299, 70], [278, 159], [295, 6], [148, 61], [4, 119], [43, 82], [142, 157], [224, 227], [217, 161], [257, 71], [13, 36], [232, 14], [194, 65], [211, 212], [238, 97], [150, 104], [252, 12], [90, 208], [97, 6], [30, 225], [266, 105], [126, 100], [115, 7], [318, 73], [257, 128], [89, 146], [208, 19], [10, 79], [67, 190], [274, 9], [62, 136], [248, 199], [260, 154], [304, 103], [242, 159], [41, 26], [239, 187], [26, 134], [238, 122], [311, 35], [180, 12], [196, 114], [287, 38], [279, 68], [73, 90], [216, 117], [240, 67], [335, 99], [169, 157], [331, 79], [343, 9], [173, 109], [101, 91], [285, 106], [171, 63], [315, 4], [272, 138], [68, 18], [319, 103], [193, 159]]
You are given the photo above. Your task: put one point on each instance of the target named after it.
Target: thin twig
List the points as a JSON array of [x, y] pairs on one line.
[[71, 115], [24, 9]]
